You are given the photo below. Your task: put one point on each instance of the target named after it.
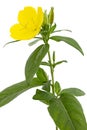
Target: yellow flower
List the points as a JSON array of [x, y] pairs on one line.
[[29, 24]]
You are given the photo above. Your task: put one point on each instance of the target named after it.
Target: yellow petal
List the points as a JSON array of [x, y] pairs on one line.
[[18, 32], [29, 25], [39, 16], [27, 15]]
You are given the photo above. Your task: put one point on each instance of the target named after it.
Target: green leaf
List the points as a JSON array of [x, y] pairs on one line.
[[41, 75], [46, 86], [15, 90], [54, 57], [34, 42], [11, 42], [45, 63], [43, 96], [36, 82], [69, 41], [63, 30], [34, 61], [12, 92], [57, 87], [60, 116], [67, 113], [52, 28], [73, 91], [75, 111], [59, 62]]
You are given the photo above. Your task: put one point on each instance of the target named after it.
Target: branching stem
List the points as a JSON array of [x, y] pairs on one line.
[[52, 75]]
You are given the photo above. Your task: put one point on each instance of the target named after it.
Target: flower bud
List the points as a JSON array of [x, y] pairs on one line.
[[51, 15], [45, 18]]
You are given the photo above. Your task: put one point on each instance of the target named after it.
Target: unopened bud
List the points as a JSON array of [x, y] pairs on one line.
[[51, 15], [45, 18]]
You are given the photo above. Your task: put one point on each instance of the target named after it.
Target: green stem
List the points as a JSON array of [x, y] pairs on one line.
[[52, 73], [52, 76]]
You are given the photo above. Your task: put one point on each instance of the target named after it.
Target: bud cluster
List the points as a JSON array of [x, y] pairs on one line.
[[48, 18]]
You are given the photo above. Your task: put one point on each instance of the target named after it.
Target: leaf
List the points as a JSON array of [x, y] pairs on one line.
[[46, 86], [67, 113], [75, 111], [34, 61], [73, 91], [41, 75], [45, 63], [52, 28], [36, 82], [11, 42], [62, 30], [34, 42], [57, 87], [60, 116], [59, 62], [54, 57], [15, 90], [12, 92], [43, 96], [69, 41]]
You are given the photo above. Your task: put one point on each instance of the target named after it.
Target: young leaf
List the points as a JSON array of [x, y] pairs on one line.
[[45, 63], [46, 86], [59, 62], [54, 57], [43, 96], [67, 113], [69, 41], [41, 75], [11, 42], [34, 42], [52, 28], [34, 61], [62, 30], [57, 87], [73, 91], [15, 90]]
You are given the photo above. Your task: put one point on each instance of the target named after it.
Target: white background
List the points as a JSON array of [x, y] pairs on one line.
[[24, 113]]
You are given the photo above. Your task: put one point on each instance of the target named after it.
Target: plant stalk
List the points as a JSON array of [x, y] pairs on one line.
[[52, 73]]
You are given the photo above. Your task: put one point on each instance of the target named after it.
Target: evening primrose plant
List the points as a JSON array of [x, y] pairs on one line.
[[62, 104]]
